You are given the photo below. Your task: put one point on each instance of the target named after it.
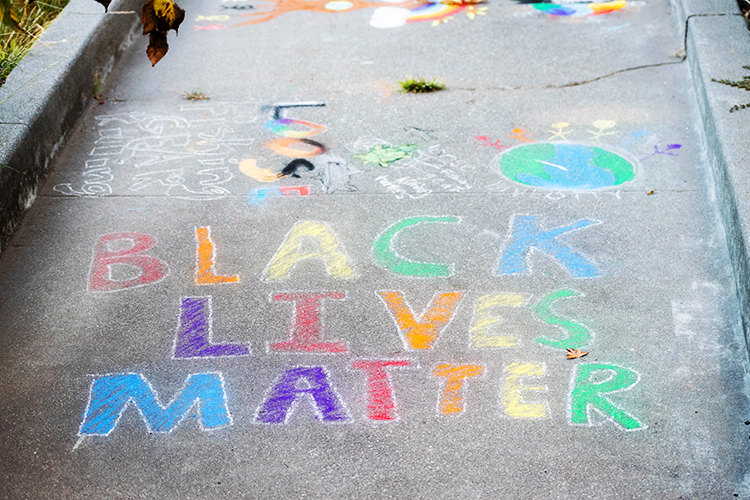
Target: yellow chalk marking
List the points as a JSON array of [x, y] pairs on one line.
[[480, 329], [248, 168], [512, 391]]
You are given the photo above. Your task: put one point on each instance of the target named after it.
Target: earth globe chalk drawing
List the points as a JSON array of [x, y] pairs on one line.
[[565, 166]]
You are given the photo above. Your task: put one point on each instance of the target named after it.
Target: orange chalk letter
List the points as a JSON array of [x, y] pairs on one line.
[[423, 332]]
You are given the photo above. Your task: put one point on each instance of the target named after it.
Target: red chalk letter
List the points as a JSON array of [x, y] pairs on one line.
[[380, 403], [307, 324], [151, 269]]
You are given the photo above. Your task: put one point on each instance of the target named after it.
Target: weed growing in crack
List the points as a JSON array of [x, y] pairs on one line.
[[740, 84], [196, 96], [420, 85]]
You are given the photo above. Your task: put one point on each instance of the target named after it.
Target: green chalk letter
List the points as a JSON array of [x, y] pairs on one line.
[[387, 257], [578, 335], [586, 394]]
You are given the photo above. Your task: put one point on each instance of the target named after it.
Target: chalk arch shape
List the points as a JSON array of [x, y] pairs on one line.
[[564, 166]]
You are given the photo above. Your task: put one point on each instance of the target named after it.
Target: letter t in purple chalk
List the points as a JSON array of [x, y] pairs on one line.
[[194, 332]]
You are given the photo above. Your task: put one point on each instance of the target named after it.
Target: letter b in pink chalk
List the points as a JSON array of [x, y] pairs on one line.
[[150, 268]]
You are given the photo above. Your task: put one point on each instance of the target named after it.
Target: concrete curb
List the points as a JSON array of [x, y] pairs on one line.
[[45, 95], [717, 46]]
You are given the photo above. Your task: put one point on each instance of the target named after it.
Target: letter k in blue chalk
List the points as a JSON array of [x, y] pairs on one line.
[[527, 234]]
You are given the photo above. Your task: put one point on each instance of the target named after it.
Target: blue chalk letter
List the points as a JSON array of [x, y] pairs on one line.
[[527, 234], [112, 394], [281, 399]]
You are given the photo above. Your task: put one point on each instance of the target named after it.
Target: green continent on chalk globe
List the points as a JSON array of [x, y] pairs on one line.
[[565, 166]]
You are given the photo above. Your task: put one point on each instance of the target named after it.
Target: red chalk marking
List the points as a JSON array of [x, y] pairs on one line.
[[151, 268], [307, 325], [380, 405]]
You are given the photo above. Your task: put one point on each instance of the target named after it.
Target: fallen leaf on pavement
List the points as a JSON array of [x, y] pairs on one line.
[[575, 353]]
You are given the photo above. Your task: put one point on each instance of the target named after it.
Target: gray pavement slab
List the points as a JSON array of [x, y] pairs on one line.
[[389, 318]]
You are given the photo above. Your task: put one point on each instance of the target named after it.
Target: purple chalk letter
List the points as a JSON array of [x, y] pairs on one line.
[[194, 332]]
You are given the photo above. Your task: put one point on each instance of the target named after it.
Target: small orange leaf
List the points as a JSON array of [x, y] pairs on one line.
[[575, 353]]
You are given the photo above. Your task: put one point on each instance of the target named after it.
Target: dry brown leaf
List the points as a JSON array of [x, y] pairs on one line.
[[157, 47], [575, 353]]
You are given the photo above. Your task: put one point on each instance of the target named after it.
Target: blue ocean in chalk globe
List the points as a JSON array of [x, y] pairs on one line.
[[564, 166]]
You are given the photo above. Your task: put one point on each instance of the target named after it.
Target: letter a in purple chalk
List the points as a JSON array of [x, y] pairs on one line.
[[283, 397], [194, 332]]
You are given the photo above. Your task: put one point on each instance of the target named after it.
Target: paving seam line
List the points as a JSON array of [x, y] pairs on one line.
[[45, 95], [717, 44]]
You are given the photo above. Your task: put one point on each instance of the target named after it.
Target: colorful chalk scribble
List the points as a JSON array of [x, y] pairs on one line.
[[565, 166], [578, 9], [434, 12], [385, 155]]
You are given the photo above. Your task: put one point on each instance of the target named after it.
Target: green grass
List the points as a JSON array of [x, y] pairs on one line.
[[34, 16], [420, 85]]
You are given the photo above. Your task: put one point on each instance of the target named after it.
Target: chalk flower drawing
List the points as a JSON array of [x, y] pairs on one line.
[[385, 155]]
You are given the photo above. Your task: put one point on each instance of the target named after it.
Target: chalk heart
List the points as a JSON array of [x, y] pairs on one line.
[[389, 17]]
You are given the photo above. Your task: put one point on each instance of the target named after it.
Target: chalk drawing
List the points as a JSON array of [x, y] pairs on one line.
[[108, 252], [290, 146], [222, 17], [381, 405], [195, 329], [209, 27], [588, 389], [387, 257], [206, 260], [485, 141], [634, 137], [292, 167], [283, 398], [261, 195], [513, 390], [285, 127], [657, 151], [110, 395], [384, 155], [327, 249], [96, 180], [176, 184], [483, 320], [577, 9], [335, 174], [527, 234], [520, 133], [564, 166], [601, 126], [435, 13], [578, 335], [279, 7], [451, 399], [422, 332], [306, 331], [559, 131], [249, 168]]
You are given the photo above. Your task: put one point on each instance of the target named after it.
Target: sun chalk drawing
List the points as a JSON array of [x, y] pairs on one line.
[[206, 260], [306, 330], [422, 332], [527, 235], [387, 257], [513, 390], [110, 395], [109, 252], [384, 155], [578, 335], [452, 401], [327, 248], [261, 195], [381, 405], [588, 387], [483, 320], [284, 396], [565, 166], [194, 332]]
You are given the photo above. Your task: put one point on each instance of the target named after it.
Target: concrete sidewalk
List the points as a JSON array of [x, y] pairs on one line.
[[312, 285]]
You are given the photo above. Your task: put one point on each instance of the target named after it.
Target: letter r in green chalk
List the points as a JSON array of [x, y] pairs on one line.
[[587, 394]]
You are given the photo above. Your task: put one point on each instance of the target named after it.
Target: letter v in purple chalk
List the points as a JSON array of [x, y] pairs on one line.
[[194, 332]]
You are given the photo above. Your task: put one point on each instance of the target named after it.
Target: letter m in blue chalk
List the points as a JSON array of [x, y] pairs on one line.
[[111, 394], [527, 234]]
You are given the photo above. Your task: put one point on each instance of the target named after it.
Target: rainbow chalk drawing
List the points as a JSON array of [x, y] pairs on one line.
[[387, 257], [206, 260], [587, 394], [110, 395], [307, 324], [435, 13], [329, 250], [564, 166], [108, 253], [381, 406], [527, 235], [422, 332], [284, 396], [578, 335], [451, 399], [512, 398], [483, 320], [579, 9], [194, 332]]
